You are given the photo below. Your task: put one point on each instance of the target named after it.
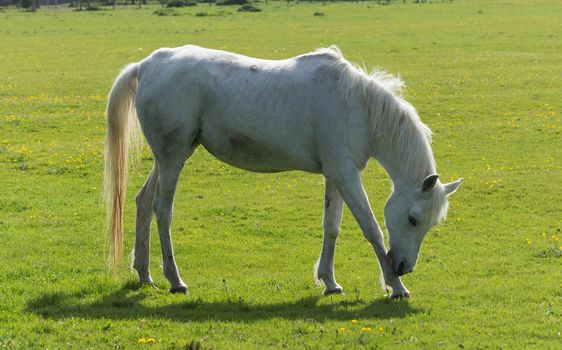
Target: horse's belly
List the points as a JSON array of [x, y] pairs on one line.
[[250, 153]]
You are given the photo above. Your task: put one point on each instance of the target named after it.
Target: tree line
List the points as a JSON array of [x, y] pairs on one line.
[[33, 5]]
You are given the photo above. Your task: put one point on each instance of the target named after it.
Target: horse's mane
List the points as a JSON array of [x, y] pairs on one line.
[[393, 119]]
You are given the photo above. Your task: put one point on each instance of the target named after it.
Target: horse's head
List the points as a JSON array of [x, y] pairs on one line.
[[409, 213]]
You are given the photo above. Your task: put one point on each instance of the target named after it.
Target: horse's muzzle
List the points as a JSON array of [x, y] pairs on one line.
[[399, 266]]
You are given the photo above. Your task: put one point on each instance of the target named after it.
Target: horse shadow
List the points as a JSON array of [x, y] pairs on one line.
[[133, 302]]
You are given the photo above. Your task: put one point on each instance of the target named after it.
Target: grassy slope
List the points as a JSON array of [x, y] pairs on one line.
[[485, 77]]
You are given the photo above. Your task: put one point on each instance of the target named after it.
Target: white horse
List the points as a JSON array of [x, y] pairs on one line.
[[316, 112]]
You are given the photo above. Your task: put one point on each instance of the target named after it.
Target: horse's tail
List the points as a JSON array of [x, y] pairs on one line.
[[121, 129]]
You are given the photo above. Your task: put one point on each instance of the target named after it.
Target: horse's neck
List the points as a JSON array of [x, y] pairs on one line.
[[403, 166]]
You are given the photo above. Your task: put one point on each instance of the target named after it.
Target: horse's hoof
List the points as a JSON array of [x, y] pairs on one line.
[[181, 289], [337, 290], [399, 296]]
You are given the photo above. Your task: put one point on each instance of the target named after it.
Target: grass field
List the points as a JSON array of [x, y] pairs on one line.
[[485, 76]]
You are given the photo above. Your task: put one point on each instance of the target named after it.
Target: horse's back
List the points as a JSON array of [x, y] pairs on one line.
[[207, 67]]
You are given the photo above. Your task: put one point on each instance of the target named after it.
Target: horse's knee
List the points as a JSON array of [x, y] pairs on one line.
[[331, 232], [334, 234]]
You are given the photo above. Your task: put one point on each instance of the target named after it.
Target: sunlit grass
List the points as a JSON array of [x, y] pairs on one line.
[[485, 76]]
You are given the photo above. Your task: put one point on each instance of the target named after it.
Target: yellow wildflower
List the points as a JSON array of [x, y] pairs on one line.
[[24, 150], [146, 340]]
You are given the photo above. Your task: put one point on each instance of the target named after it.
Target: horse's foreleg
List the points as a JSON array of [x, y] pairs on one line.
[[324, 269], [144, 218], [168, 175], [349, 185]]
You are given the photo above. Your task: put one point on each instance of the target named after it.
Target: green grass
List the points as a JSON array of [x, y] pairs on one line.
[[485, 76]]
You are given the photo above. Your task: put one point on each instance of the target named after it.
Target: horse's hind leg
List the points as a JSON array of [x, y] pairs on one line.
[[169, 115], [170, 150], [168, 174], [324, 269], [144, 218]]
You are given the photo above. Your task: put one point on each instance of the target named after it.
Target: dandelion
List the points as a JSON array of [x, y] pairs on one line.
[[342, 329], [353, 321], [24, 150], [146, 340], [381, 329], [366, 329], [554, 237]]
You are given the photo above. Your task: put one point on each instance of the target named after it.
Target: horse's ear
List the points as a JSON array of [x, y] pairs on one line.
[[450, 188], [429, 182]]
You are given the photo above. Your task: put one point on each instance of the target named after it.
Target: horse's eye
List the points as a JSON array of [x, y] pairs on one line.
[[412, 220]]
